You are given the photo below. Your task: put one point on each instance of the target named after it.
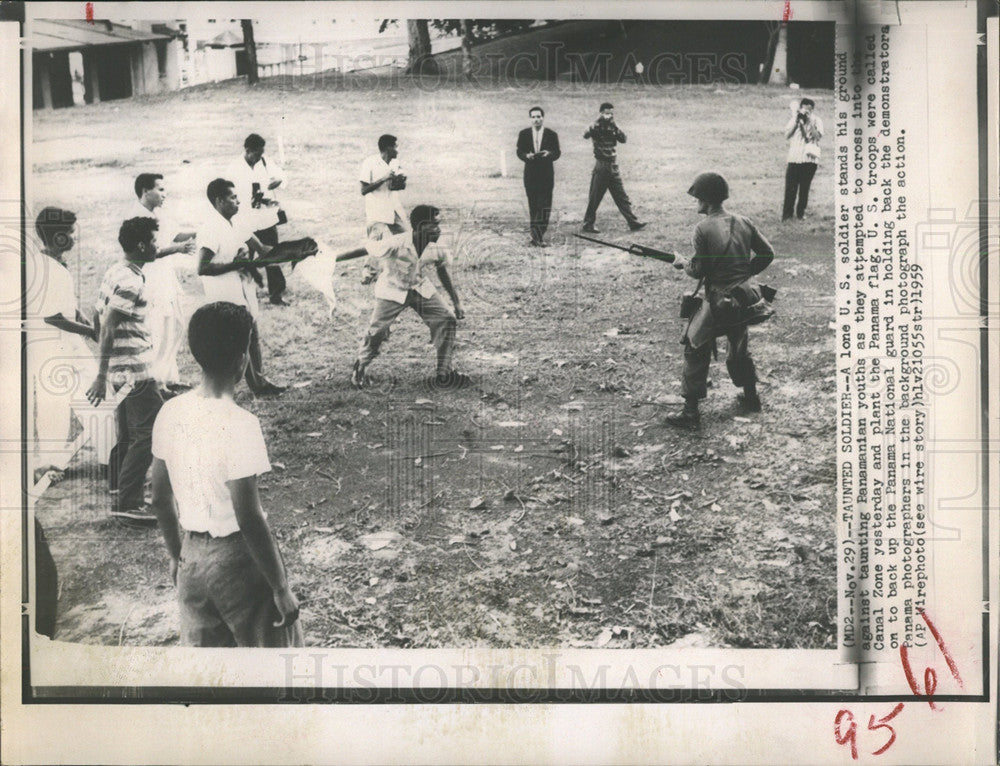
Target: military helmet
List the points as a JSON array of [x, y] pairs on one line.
[[710, 187]]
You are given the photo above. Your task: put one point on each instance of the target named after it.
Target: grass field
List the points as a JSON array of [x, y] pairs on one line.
[[552, 506]]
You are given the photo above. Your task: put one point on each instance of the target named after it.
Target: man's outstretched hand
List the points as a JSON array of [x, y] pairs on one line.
[[98, 390]]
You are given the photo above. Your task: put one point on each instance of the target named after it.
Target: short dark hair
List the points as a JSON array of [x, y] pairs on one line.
[[606, 105], [254, 143], [218, 335], [385, 141], [135, 231], [536, 109], [146, 181], [53, 224], [807, 102], [218, 188], [422, 214]]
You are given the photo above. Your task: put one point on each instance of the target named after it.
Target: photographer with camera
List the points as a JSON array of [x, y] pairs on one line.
[[722, 261], [605, 135], [255, 181], [382, 180], [803, 132]]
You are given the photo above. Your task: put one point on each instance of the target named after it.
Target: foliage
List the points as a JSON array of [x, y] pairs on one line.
[[480, 29]]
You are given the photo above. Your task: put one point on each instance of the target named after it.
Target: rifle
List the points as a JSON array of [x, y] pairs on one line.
[[640, 250]]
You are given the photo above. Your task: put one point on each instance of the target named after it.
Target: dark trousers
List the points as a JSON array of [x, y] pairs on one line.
[[694, 382], [46, 585], [133, 453], [798, 179], [539, 209], [607, 178], [275, 276], [255, 369]]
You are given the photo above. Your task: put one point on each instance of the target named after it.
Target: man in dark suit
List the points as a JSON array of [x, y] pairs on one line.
[[538, 148]]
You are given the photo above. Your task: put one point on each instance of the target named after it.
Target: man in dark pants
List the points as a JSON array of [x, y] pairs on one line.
[[255, 181], [126, 352], [606, 135], [225, 244], [538, 148], [803, 132]]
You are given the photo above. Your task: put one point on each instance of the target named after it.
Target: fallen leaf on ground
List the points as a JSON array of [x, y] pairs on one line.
[[378, 540]]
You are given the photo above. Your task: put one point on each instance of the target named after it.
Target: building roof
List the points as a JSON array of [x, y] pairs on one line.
[[225, 39], [65, 35]]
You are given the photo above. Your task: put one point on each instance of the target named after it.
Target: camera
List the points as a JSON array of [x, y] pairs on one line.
[[256, 196], [397, 182]]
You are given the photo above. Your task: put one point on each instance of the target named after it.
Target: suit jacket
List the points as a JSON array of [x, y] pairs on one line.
[[538, 173]]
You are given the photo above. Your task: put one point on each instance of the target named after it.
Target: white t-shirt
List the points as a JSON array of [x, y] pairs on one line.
[[206, 442], [49, 287], [383, 204], [225, 239], [244, 177]]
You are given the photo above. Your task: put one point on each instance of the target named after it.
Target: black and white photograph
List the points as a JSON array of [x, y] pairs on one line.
[[584, 434], [373, 356]]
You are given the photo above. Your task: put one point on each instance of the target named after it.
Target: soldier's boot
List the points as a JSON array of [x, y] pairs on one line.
[[689, 417], [749, 401]]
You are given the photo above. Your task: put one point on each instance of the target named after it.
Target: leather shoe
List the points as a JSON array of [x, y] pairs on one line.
[[277, 300], [591, 230], [637, 226], [688, 420], [270, 389]]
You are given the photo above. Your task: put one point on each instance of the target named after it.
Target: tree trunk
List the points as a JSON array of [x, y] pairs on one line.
[[251, 48], [465, 27], [775, 70], [419, 61]]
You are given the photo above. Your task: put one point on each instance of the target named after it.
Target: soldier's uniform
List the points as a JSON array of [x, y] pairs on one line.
[[723, 244]]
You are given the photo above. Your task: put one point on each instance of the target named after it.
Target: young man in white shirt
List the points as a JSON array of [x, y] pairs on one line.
[[403, 282], [256, 181], [207, 453], [166, 316], [803, 132], [226, 269], [50, 300], [382, 182]]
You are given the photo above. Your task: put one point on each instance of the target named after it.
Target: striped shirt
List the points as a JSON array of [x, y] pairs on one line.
[[605, 135], [123, 290], [802, 139]]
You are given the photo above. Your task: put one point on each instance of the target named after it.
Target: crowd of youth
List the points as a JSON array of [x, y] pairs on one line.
[[205, 451]]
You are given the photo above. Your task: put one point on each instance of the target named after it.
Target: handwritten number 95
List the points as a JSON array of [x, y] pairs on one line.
[[850, 736], [845, 728]]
